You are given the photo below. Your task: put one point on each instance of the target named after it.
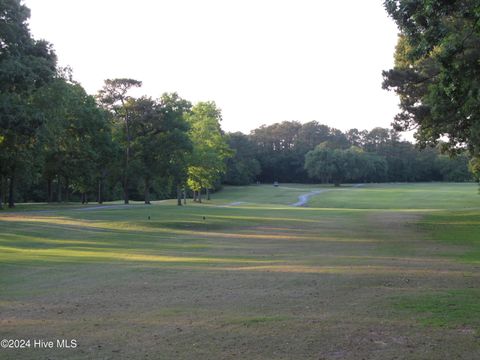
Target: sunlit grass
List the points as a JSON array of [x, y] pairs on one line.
[[254, 267], [89, 254], [402, 196]]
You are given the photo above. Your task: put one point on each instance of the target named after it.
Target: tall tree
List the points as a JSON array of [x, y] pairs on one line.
[[210, 148], [114, 97], [177, 144], [75, 140], [25, 66], [436, 72], [326, 164], [161, 139], [242, 168]]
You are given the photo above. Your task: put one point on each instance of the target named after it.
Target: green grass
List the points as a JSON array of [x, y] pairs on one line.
[[256, 195], [455, 308], [258, 279], [432, 196], [461, 229]]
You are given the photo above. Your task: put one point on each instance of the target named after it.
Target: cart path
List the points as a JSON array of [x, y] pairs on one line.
[[303, 199]]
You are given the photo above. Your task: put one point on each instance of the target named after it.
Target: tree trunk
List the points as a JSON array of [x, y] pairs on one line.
[[59, 189], [184, 196], [179, 196], [127, 159], [125, 188], [147, 191], [1, 192], [11, 188], [100, 187], [194, 196], [200, 195], [49, 190], [208, 194], [67, 183]]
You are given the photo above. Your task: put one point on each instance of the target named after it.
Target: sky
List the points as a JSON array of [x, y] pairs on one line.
[[261, 61]]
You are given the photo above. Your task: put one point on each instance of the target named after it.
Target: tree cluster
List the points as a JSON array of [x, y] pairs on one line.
[[295, 152], [437, 72], [58, 143]]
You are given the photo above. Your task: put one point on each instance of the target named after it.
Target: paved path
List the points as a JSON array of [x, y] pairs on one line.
[[303, 199], [236, 203]]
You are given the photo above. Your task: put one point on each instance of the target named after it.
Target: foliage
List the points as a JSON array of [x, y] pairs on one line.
[[338, 165], [113, 97], [242, 168], [210, 148], [436, 71], [26, 65], [161, 144], [280, 150]]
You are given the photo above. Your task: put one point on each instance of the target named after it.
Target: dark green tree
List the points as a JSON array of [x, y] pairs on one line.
[[436, 72], [114, 98], [161, 142], [327, 165], [242, 167], [75, 140], [26, 65]]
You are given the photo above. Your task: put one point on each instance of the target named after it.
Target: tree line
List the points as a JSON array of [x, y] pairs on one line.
[[312, 152]]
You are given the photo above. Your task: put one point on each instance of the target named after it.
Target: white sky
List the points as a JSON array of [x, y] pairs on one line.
[[261, 61]]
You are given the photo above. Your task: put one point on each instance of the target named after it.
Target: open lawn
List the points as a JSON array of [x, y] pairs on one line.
[[371, 272]]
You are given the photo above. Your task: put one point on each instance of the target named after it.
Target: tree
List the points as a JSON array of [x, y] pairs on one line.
[[75, 139], [340, 165], [26, 65], [161, 141], [177, 142], [436, 72], [242, 167], [453, 169], [326, 164], [113, 96], [210, 148]]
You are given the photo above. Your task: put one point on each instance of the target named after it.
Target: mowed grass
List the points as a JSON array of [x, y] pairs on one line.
[[377, 272], [430, 196]]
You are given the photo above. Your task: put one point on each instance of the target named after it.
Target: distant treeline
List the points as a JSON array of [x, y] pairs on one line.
[[312, 152]]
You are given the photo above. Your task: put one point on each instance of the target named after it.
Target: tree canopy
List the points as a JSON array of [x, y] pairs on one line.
[[437, 72]]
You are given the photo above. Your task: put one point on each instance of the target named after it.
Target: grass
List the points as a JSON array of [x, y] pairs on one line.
[[455, 308], [460, 229], [431, 196], [257, 320], [370, 272]]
